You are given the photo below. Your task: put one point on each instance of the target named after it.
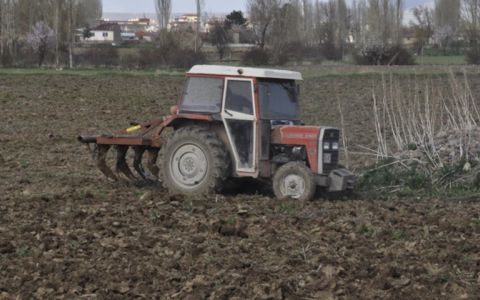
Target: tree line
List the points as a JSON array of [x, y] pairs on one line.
[[363, 26], [372, 31], [28, 27]]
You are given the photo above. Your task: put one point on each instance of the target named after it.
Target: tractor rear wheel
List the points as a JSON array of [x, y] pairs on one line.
[[194, 161], [294, 180]]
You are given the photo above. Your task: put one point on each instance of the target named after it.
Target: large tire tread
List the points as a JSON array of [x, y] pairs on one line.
[[298, 168], [219, 170]]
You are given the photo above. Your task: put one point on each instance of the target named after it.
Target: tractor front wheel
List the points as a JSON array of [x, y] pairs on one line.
[[294, 180], [194, 161]]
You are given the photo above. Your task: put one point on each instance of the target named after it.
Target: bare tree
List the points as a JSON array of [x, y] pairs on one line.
[[308, 22], [447, 19], [423, 25], [2, 28], [377, 23], [164, 10], [41, 39], [262, 14], [17, 17], [342, 26], [200, 4], [399, 7], [359, 22], [219, 37], [88, 12], [57, 9], [286, 26], [471, 20], [8, 36], [71, 6]]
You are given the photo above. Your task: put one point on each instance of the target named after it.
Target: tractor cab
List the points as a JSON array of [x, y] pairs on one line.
[[249, 102], [234, 122]]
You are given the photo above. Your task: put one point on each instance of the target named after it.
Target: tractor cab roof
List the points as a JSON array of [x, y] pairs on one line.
[[245, 72]]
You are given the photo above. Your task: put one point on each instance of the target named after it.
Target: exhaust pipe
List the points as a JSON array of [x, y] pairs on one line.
[[87, 139]]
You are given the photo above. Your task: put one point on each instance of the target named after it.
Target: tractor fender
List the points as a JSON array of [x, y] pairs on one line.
[[181, 120]]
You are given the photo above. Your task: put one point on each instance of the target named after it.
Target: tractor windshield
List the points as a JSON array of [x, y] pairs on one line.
[[278, 100], [202, 95]]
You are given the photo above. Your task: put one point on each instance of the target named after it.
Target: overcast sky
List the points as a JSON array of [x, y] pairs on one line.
[[147, 6]]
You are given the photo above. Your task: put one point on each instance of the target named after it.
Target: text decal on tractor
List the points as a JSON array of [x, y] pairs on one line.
[[231, 122]]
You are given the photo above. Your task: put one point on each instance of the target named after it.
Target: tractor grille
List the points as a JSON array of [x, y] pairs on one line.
[[327, 168], [330, 157]]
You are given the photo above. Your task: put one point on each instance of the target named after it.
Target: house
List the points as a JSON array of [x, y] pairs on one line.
[[212, 22], [144, 36], [129, 36], [135, 25], [185, 22], [104, 33], [130, 28]]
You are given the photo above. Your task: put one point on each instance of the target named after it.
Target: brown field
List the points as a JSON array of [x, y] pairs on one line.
[[66, 232]]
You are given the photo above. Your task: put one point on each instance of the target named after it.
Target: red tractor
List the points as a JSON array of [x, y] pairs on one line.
[[232, 122]]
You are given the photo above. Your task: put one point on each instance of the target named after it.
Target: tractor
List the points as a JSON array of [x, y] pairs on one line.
[[231, 122]]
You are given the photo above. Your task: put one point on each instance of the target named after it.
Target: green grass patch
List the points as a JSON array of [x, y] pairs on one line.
[[393, 179], [308, 72], [288, 208], [23, 251], [441, 60], [365, 231], [90, 72]]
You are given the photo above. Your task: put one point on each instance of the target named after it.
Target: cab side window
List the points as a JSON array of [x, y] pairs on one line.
[[239, 96]]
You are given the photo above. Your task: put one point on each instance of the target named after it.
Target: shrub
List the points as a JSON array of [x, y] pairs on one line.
[[314, 54], [473, 56], [150, 58], [295, 51], [419, 150], [174, 49], [330, 52], [184, 58], [6, 60], [97, 57], [380, 55], [280, 57], [256, 57], [390, 175], [129, 61]]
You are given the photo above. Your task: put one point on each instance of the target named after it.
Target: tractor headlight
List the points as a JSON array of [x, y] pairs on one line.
[[326, 146], [297, 151], [335, 146]]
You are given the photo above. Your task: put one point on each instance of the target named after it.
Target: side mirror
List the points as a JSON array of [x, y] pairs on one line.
[[298, 90]]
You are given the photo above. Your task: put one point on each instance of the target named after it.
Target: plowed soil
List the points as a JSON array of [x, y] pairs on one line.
[[66, 232]]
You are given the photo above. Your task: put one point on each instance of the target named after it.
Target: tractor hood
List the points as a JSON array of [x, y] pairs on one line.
[[295, 135], [307, 136], [317, 141]]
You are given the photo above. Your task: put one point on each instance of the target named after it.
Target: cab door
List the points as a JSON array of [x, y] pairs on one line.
[[239, 116]]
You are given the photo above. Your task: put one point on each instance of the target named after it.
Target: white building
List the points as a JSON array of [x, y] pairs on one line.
[[104, 33]]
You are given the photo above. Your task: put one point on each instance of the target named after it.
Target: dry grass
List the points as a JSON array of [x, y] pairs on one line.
[[428, 126]]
